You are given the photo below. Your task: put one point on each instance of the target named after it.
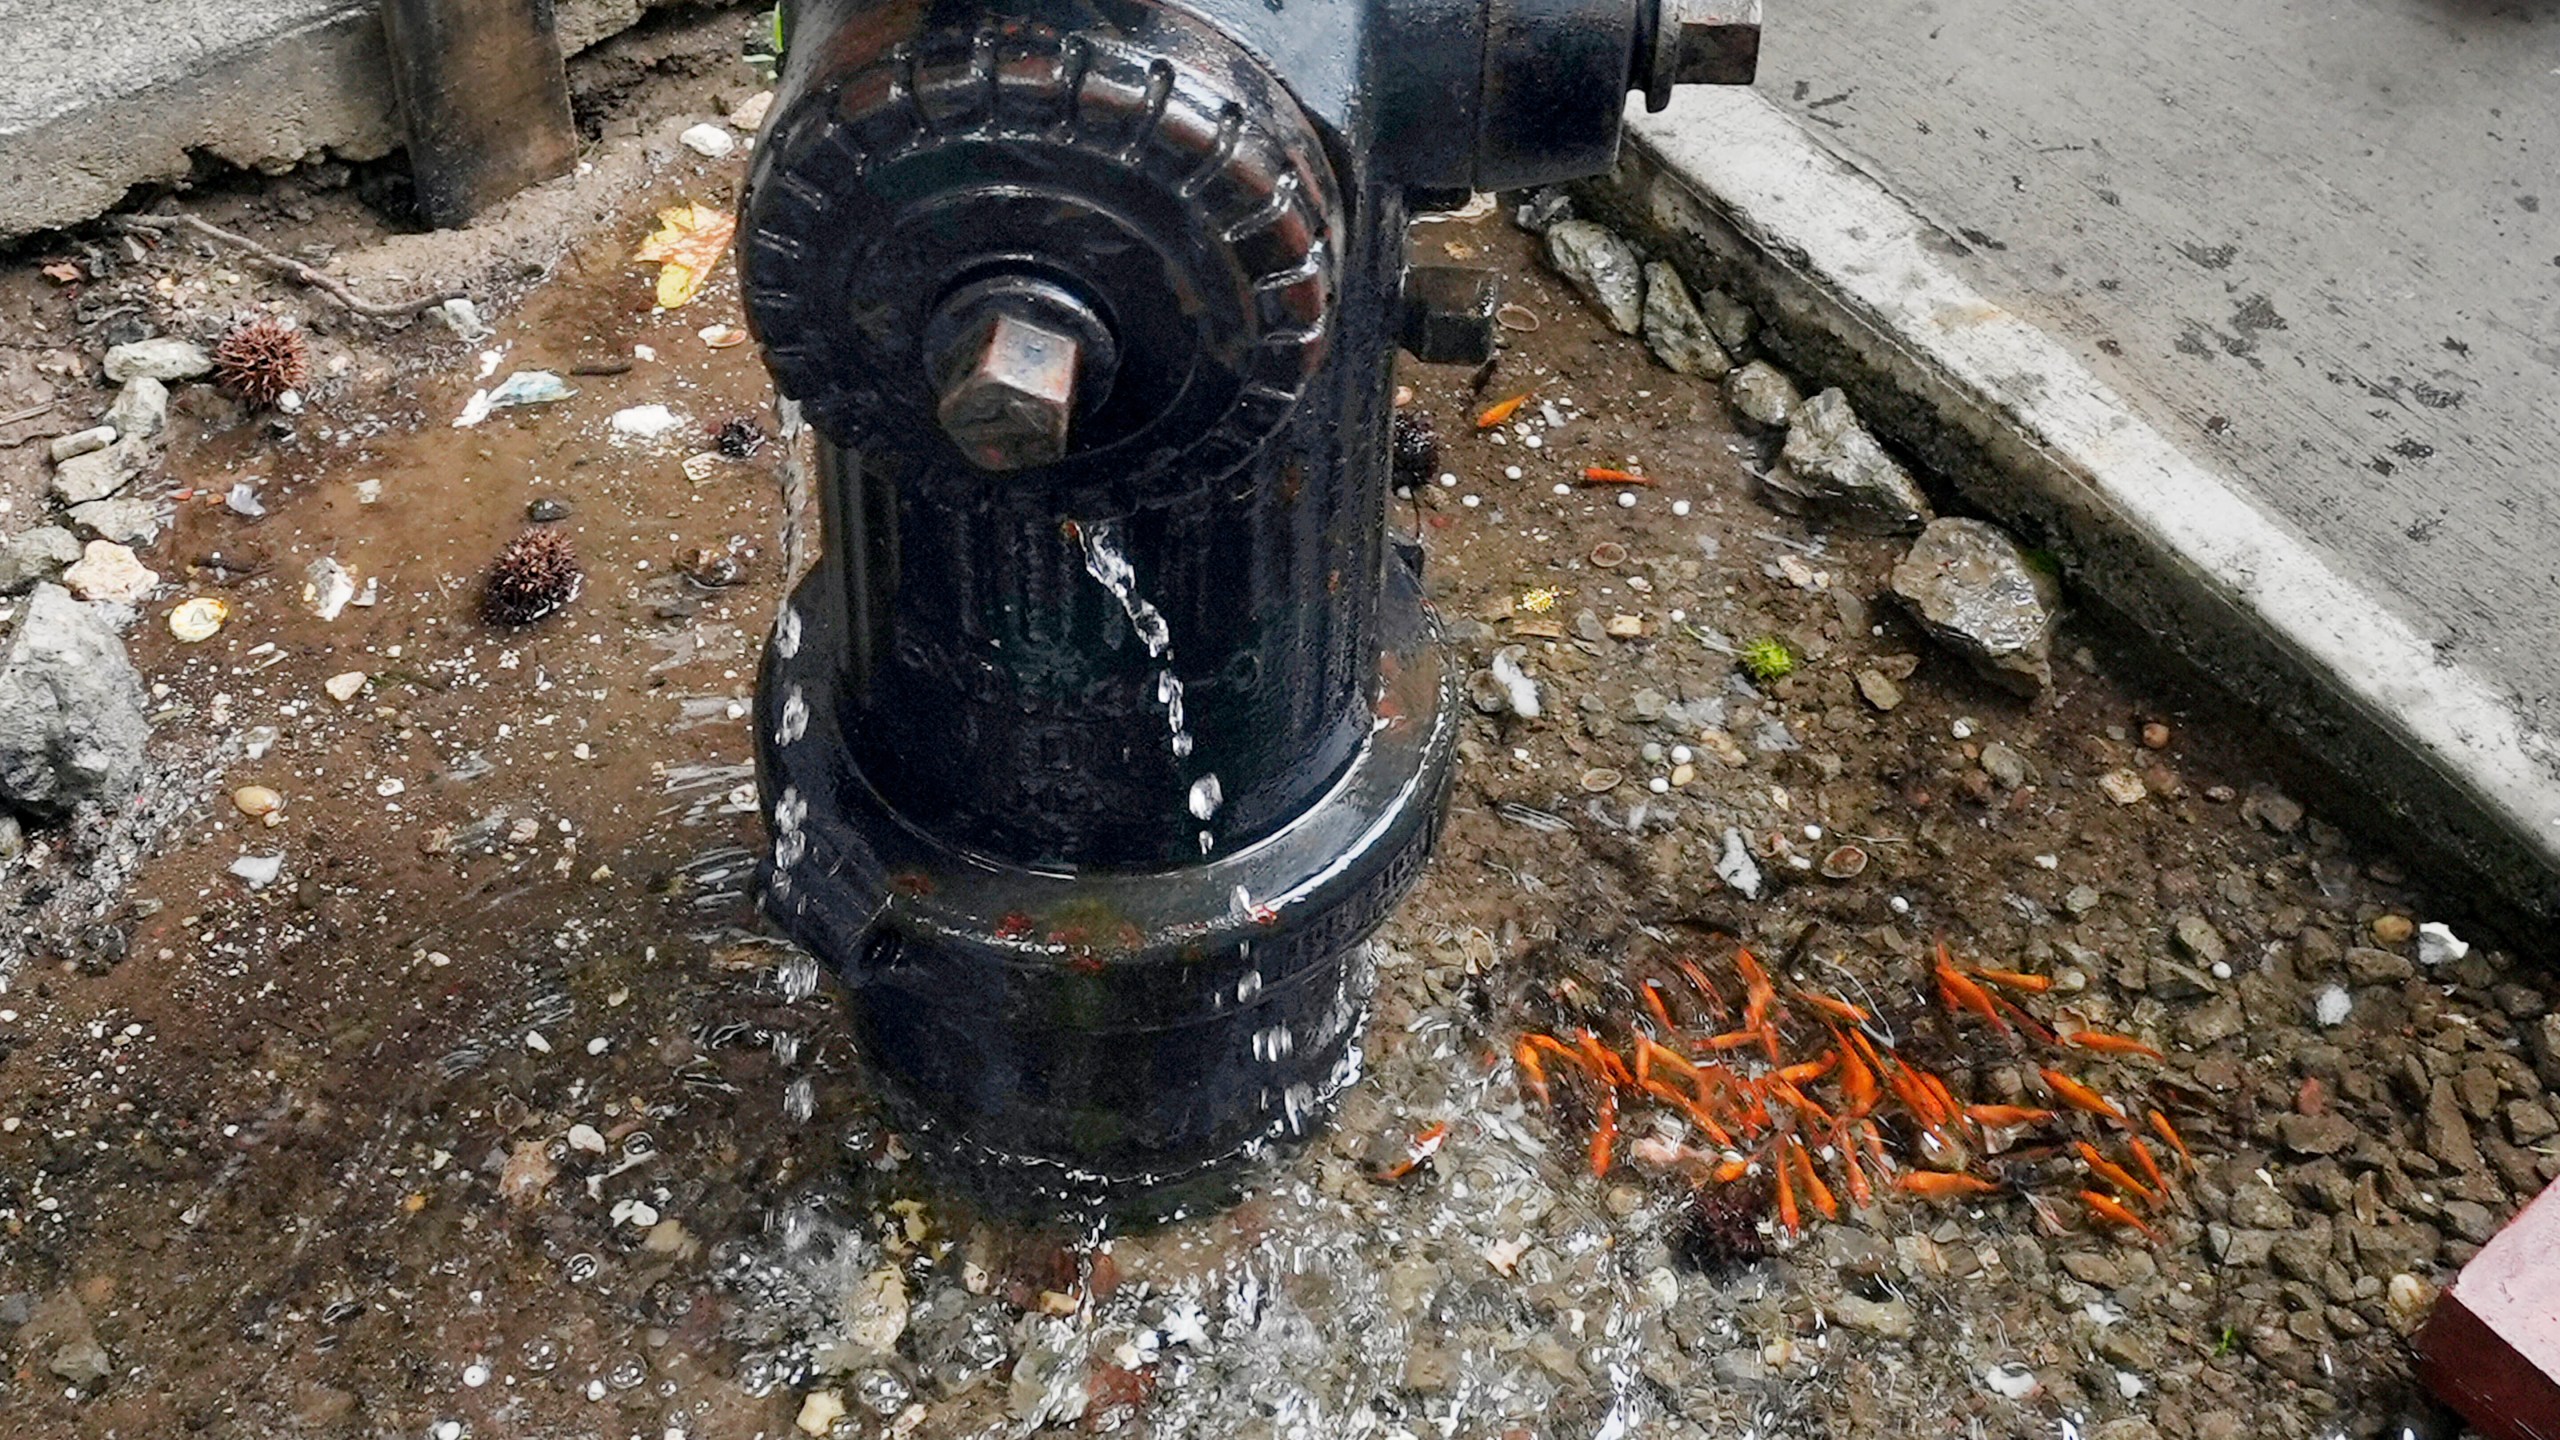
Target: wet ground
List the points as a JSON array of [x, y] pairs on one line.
[[495, 1115]]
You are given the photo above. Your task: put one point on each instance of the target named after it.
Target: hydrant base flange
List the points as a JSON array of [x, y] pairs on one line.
[[1118, 1036]]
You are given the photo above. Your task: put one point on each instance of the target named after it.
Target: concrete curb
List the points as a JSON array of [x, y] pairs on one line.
[[263, 86], [1855, 285]]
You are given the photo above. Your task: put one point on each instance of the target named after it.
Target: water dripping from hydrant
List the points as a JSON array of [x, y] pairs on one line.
[[1107, 561]]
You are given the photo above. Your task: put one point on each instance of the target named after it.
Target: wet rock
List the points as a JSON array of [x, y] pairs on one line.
[[71, 710], [2317, 1134], [141, 410], [2214, 1021], [33, 555], [2393, 929], [1885, 1319], [1831, 467], [1601, 266], [1729, 320], [122, 519], [2530, 1121], [546, 509], [2544, 1041], [1762, 396], [2124, 787], [1878, 689], [2239, 1248], [2005, 765], [1430, 1370], [59, 1330], [1675, 331], [1546, 207], [1971, 588], [2277, 813], [2197, 939], [2471, 1220], [100, 473], [2448, 1131], [163, 358], [2256, 1205], [2170, 980], [2368, 966]]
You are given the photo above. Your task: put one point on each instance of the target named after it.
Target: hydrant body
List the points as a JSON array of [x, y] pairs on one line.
[[1110, 722]]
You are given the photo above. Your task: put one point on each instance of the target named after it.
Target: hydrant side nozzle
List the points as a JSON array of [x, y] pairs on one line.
[[1695, 42]]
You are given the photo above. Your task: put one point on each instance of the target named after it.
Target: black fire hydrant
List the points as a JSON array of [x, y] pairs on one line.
[[1111, 723]]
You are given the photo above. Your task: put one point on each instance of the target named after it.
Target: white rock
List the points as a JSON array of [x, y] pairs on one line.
[[326, 588], [2438, 945], [1516, 683], [645, 422], [108, 571], [164, 358], [712, 142], [258, 871], [583, 1136], [2331, 1005], [2010, 1382], [751, 111], [343, 686], [1736, 868], [82, 442], [820, 1412]]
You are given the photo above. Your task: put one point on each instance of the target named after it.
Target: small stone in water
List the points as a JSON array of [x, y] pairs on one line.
[[547, 509]]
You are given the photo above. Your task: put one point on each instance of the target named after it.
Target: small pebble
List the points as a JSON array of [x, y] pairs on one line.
[[2393, 929], [1626, 499], [1682, 755], [1658, 785], [2155, 736], [1680, 507], [256, 801]]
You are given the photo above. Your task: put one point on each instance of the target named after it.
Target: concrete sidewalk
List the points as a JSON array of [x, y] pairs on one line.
[[98, 96], [2253, 313]]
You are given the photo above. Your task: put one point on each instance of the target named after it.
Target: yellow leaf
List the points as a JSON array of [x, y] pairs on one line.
[[686, 247]]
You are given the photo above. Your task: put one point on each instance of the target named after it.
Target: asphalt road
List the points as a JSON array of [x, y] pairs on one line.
[[2319, 246]]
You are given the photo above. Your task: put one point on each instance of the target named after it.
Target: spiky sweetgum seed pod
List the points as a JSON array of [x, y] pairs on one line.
[[536, 574], [259, 360]]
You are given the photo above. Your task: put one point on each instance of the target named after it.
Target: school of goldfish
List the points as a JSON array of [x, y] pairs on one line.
[[1854, 1115]]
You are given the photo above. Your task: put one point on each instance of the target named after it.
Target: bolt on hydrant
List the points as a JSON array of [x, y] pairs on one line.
[[1111, 722]]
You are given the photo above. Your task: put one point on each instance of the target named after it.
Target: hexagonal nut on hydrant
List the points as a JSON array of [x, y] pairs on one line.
[[1009, 404]]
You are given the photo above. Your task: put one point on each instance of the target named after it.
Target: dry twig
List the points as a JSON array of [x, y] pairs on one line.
[[287, 266]]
